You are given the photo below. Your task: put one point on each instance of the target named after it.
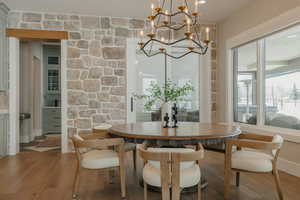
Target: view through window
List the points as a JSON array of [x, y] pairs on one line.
[[280, 86], [282, 79]]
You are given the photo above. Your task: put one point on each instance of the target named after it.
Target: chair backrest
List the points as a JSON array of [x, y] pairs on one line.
[[170, 161], [81, 144], [277, 139]]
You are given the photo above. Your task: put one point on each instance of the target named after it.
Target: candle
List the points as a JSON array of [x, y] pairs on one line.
[[186, 16], [188, 22], [152, 26], [152, 9], [167, 16], [141, 35], [207, 30], [196, 6]]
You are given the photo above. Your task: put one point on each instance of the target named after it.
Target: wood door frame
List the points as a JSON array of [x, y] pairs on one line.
[[14, 36]]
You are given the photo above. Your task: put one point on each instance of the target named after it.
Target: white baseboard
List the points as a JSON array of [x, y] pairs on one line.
[[289, 167]]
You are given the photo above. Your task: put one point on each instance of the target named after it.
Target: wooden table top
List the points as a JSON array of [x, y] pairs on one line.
[[185, 131]]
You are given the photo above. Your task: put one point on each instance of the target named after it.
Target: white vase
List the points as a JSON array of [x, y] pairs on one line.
[[166, 107]]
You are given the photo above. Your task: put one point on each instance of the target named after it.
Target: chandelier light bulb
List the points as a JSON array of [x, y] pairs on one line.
[[188, 22], [202, 2], [152, 26], [152, 9], [167, 16], [207, 30], [196, 6]]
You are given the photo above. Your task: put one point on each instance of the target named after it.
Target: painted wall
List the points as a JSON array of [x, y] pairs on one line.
[[96, 74], [255, 13]]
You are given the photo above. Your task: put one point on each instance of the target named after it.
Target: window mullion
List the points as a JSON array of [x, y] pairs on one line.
[[261, 82]]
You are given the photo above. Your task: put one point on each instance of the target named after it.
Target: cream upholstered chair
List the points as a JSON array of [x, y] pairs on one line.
[[94, 153], [174, 168], [263, 160], [103, 129]]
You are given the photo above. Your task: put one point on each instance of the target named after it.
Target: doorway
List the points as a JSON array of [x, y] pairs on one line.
[[40, 95], [16, 36]]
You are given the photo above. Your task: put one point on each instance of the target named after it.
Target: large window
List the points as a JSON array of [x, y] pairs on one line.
[[279, 85]]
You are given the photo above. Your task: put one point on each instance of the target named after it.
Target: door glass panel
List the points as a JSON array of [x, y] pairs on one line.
[[186, 70], [148, 71], [179, 71]]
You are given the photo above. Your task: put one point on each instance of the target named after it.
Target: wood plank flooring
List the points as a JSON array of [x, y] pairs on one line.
[[49, 176]]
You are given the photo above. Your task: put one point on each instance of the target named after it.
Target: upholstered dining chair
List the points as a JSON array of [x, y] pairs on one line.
[[254, 154], [95, 153], [175, 168], [103, 130]]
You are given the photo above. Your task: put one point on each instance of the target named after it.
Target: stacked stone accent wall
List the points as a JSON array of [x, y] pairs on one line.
[[96, 74]]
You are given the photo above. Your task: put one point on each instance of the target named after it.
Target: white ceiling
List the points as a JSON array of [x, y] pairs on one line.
[[214, 10]]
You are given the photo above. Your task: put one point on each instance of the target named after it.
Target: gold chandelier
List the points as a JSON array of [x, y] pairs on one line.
[[185, 20]]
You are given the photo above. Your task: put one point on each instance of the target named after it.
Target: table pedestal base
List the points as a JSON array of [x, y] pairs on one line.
[[193, 189]]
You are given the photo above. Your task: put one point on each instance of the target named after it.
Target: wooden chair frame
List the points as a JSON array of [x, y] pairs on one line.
[[252, 141], [105, 134], [171, 161], [93, 142]]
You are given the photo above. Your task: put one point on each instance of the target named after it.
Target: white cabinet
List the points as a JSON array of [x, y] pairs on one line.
[[3, 48], [51, 120]]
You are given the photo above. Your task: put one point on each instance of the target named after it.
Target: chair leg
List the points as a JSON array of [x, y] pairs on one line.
[[227, 184], [277, 181], [237, 179], [123, 186], [134, 159], [199, 191], [76, 183], [111, 176], [145, 191], [175, 192]]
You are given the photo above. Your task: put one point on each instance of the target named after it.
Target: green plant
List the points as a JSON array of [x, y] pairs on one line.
[[170, 92]]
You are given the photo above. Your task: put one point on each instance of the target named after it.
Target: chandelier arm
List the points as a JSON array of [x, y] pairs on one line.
[[176, 57], [168, 43], [143, 46], [159, 14], [197, 43]]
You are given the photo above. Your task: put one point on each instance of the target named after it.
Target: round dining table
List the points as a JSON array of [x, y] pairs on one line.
[[187, 133]]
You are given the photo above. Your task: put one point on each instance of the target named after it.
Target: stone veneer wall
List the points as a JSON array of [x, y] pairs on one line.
[[96, 71]]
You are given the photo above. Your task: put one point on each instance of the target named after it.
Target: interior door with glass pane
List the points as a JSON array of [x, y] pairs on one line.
[[143, 71]]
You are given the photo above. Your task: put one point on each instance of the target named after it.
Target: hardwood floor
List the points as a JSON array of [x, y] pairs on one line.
[[49, 176]]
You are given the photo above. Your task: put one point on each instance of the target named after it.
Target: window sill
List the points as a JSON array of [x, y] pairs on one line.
[[288, 134]]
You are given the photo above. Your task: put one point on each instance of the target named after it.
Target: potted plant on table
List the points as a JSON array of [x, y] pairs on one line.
[[165, 95]]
